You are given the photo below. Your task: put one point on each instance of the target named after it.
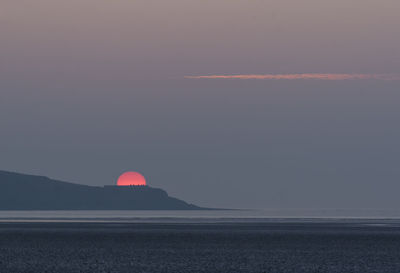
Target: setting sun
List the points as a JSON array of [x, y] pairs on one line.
[[131, 179]]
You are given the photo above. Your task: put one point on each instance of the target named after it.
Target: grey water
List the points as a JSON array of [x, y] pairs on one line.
[[237, 215], [295, 240]]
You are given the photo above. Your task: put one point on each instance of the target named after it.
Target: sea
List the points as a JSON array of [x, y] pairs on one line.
[[229, 215], [261, 240]]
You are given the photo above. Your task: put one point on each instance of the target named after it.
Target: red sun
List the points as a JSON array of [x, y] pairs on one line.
[[131, 179]]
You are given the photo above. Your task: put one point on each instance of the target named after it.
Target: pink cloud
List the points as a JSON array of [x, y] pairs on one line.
[[307, 76]]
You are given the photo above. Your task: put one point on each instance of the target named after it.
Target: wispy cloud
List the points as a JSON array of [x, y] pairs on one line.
[[307, 76]]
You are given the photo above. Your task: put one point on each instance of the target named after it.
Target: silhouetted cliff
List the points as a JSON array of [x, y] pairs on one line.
[[29, 192]]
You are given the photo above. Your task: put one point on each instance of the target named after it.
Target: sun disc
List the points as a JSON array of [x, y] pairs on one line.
[[131, 179]]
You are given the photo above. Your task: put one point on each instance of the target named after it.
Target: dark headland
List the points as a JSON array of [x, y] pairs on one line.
[[30, 192]]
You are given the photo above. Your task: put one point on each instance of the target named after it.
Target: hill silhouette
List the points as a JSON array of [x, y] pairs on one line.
[[30, 192]]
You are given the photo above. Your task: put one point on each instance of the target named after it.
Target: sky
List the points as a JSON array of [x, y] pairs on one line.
[[223, 103]]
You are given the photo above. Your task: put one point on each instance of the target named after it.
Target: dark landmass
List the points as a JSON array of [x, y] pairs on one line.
[[201, 248], [29, 192]]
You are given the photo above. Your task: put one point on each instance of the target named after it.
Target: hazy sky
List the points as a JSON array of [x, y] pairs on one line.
[[92, 88]]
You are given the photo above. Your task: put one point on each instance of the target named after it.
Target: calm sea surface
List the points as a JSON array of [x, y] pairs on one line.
[[230, 241], [259, 215]]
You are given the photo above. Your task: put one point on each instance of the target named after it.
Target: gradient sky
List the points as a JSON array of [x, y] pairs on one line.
[[90, 89]]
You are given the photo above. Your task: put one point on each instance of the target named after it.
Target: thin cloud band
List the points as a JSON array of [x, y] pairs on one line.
[[307, 76]]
